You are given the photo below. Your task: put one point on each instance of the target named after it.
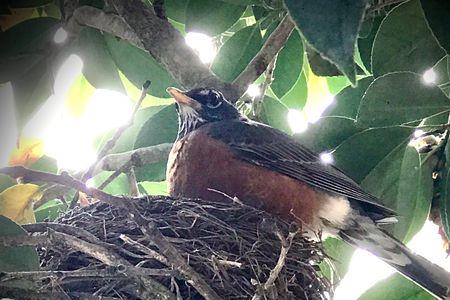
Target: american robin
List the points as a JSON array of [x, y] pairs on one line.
[[218, 149]]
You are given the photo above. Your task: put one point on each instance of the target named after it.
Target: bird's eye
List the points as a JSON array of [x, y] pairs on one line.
[[213, 101]]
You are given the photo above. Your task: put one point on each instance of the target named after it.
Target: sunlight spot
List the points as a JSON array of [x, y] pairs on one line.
[[106, 110], [203, 45], [418, 133], [253, 90], [60, 36], [90, 183], [297, 121], [326, 158], [429, 77]]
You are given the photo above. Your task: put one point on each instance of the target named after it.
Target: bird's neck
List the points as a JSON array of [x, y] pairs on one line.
[[187, 124]]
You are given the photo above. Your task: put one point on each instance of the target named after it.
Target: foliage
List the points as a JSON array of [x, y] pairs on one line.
[[369, 128]]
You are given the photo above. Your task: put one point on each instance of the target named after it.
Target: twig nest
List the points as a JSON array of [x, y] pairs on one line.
[[232, 246]]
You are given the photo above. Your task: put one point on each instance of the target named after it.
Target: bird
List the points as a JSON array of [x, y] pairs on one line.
[[218, 151]]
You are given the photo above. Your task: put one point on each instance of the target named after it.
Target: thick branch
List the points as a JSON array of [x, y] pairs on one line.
[[144, 29], [138, 158], [168, 47], [96, 18], [63, 179], [261, 61]]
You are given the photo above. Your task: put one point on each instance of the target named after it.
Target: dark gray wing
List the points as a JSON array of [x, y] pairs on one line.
[[268, 147]]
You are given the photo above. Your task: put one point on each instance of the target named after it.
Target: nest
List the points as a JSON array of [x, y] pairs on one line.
[[233, 247]]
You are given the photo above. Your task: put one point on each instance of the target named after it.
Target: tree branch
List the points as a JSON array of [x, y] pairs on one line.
[[111, 23], [168, 47], [63, 179], [139, 25], [134, 158], [262, 59], [152, 289]]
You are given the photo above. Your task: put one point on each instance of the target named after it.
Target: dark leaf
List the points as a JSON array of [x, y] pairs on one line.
[[333, 31], [49, 211], [358, 155], [327, 133], [211, 17], [31, 90], [365, 43], [98, 65], [139, 66], [401, 46], [176, 9], [274, 113], [398, 98], [288, 66], [297, 96], [28, 3], [437, 13], [322, 66], [20, 258], [237, 52], [346, 103], [162, 127], [5, 182], [406, 186]]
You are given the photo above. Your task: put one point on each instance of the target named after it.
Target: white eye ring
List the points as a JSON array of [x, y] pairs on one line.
[[214, 106]]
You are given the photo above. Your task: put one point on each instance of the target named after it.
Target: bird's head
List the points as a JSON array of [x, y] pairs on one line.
[[201, 106]]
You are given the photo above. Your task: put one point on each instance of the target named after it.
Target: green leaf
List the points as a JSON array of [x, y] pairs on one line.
[[333, 32], [415, 193], [406, 186], [327, 133], [437, 13], [237, 52], [337, 83], [139, 66], [28, 36], [5, 182], [274, 113], [49, 211], [98, 65], [441, 69], [31, 90], [26, 59], [211, 17], [340, 254], [398, 98], [365, 43], [444, 186], [363, 151], [346, 103], [126, 141], [396, 287], [28, 3], [45, 164], [119, 186], [20, 258], [404, 42], [161, 128], [297, 96], [176, 9], [288, 66], [153, 188]]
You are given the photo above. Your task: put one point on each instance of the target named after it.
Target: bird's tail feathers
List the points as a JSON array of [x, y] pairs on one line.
[[364, 234]]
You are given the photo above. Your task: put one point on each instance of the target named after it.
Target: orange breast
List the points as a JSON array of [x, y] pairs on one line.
[[198, 163]]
